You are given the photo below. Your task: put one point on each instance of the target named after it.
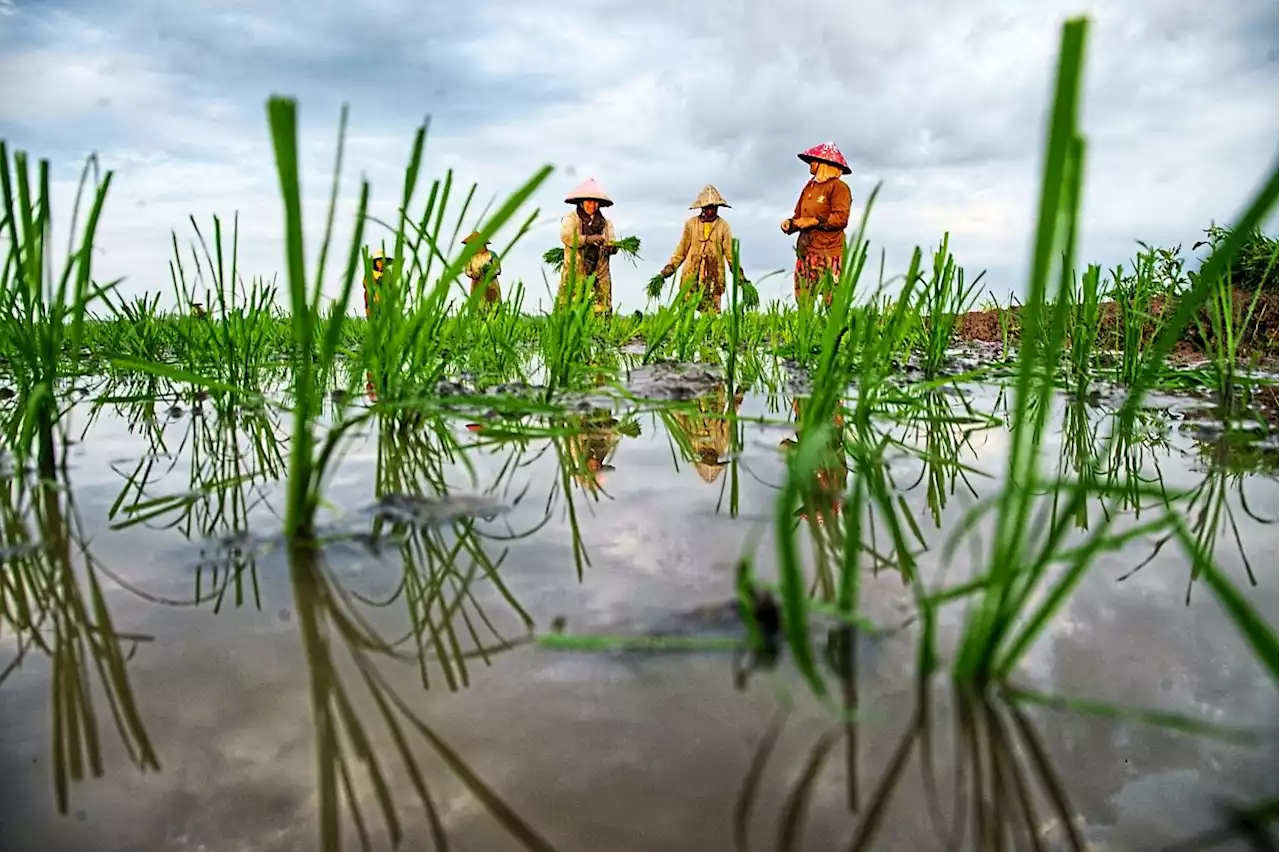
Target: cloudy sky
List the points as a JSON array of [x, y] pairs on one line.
[[942, 100]]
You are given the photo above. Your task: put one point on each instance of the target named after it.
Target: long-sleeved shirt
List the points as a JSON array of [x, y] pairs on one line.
[[704, 250], [480, 263], [572, 240], [829, 202]]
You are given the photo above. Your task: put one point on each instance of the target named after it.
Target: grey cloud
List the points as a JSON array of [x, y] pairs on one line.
[[943, 103]]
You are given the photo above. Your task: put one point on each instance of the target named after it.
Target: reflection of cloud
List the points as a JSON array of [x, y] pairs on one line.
[[943, 103], [1134, 645]]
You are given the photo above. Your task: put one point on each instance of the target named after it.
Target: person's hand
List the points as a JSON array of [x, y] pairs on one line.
[[668, 271], [786, 226], [804, 222], [593, 240]]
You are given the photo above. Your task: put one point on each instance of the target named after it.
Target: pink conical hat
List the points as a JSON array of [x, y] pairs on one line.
[[589, 189], [827, 152]]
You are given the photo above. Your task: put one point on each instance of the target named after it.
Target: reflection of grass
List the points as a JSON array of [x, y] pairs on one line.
[[52, 601], [232, 454], [1206, 511], [440, 562], [327, 621]]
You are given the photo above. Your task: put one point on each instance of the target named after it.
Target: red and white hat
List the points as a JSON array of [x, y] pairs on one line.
[[827, 152], [589, 190]]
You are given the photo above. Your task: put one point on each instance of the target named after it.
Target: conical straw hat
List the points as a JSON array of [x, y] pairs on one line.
[[708, 197], [589, 190], [708, 472]]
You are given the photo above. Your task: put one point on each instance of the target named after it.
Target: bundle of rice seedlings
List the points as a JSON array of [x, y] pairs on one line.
[[554, 258], [654, 288], [749, 295], [629, 246]]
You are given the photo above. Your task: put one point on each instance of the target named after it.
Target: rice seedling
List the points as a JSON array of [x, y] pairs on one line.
[[628, 247], [1223, 331], [42, 318], [1141, 303], [943, 298]]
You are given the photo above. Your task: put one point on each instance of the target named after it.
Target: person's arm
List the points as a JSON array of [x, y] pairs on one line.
[[569, 231], [837, 219], [609, 238], [788, 225], [681, 252], [726, 245]]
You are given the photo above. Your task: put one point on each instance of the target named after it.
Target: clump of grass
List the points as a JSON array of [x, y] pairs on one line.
[[1142, 309], [654, 288], [42, 318], [1085, 322], [1254, 266], [943, 298]]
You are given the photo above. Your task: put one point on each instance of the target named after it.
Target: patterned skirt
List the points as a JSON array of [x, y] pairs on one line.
[[809, 275]]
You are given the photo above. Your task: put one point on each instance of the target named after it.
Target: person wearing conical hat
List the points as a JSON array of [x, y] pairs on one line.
[[705, 250], [483, 269], [820, 219], [707, 431], [831, 478], [589, 242], [377, 260]]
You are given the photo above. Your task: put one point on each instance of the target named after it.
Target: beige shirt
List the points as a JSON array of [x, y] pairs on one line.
[[704, 250], [478, 265]]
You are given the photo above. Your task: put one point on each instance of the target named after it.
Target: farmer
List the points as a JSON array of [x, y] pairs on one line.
[[707, 431], [377, 260], [830, 479], [706, 246], [822, 214], [589, 242], [483, 269]]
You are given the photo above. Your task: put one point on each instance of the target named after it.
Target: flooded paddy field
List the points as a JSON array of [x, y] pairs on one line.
[[447, 554]]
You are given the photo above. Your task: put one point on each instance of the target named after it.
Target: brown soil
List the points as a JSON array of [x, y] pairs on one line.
[[1259, 337]]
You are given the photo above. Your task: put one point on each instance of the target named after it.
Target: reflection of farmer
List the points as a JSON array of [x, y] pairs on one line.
[[590, 449], [377, 260], [707, 430], [483, 269], [706, 246], [822, 214], [589, 242], [831, 477]]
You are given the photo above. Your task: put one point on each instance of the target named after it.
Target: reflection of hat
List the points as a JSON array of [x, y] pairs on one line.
[[589, 190], [827, 153], [709, 197], [709, 472]]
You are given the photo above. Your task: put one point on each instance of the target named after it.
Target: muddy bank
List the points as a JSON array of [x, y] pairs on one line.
[[1259, 336]]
